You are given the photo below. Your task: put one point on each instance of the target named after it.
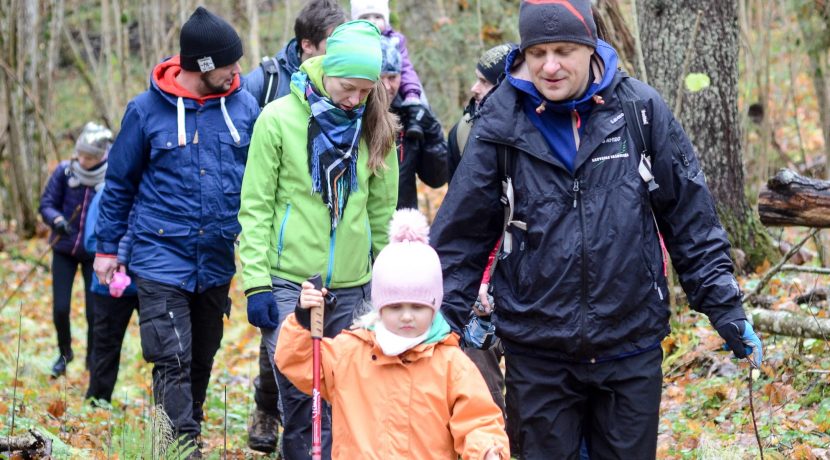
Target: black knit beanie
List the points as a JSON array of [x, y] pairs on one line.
[[491, 63], [208, 42], [546, 21]]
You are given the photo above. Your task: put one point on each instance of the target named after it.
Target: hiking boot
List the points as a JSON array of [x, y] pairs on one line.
[[59, 368], [263, 433]]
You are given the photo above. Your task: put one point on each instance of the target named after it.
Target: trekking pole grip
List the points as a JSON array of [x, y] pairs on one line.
[[316, 312]]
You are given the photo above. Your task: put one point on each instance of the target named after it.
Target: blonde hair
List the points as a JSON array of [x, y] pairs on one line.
[[380, 127]]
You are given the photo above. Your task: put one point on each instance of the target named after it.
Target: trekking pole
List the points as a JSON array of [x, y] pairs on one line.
[[316, 403], [39, 259]]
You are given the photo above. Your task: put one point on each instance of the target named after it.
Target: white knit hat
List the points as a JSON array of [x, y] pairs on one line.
[[361, 7], [407, 270]]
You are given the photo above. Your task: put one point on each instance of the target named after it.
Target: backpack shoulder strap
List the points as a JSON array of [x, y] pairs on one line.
[[638, 124], [271, 74]]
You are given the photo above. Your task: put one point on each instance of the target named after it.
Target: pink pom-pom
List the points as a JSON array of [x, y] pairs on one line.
[[408, 225]]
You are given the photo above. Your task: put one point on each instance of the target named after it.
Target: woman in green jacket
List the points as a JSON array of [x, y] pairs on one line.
[[320, 187]]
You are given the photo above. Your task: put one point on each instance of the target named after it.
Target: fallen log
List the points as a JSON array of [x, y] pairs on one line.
[[790, 324], [790, 199], [29, 445]]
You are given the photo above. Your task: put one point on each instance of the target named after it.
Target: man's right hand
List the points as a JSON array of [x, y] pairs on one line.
[[484, 304], [262, 310], [105, 266]]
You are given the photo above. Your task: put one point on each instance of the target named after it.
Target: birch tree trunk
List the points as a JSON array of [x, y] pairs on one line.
[[685, 36]]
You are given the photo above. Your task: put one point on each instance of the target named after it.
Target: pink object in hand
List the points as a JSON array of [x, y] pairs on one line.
[[119, 282]]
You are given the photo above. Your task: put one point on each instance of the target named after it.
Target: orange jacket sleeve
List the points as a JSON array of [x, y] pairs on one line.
[[294, 360], [476, 421]]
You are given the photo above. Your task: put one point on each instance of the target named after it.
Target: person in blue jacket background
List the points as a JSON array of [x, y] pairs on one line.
[[63, 207], [177, 164], [111, 314]]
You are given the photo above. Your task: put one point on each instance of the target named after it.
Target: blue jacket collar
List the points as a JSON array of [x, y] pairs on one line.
[[605, 56]]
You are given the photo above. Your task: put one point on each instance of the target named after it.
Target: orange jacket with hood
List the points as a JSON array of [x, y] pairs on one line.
[[429, 402]]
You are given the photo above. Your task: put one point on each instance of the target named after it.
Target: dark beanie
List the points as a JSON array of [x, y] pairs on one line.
[[546, 21], [491, 63], [208, 42]]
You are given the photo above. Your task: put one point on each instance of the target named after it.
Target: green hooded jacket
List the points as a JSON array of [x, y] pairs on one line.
[[286, 229]]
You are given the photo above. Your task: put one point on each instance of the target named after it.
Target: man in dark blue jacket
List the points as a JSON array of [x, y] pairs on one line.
[[269, 81], [179, 158], [581, 301]]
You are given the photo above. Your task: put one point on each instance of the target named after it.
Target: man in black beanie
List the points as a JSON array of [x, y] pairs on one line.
[[489, 70], [175, 171], [584, 175]]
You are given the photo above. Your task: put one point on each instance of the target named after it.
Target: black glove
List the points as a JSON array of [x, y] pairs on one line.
[[61, 226], [415, 121], [743, 341]]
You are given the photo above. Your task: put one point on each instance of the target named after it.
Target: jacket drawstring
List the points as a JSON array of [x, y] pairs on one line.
[[228, 121], [180, 122], [578, 119]]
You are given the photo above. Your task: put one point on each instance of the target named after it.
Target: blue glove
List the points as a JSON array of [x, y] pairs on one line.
[[262, 310], [742, 340], [479, 333]]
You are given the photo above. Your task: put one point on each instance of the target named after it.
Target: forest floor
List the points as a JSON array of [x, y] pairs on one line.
[[705, 410]]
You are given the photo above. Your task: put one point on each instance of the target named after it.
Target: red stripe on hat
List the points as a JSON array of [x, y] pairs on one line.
[[567, 6]]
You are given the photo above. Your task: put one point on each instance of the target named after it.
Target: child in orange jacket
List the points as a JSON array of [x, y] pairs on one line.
[[399, 385]]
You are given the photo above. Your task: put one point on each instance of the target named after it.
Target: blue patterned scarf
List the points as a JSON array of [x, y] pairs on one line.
[[333, 138]]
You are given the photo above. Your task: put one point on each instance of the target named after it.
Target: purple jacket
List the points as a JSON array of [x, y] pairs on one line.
[[410, 83], [59, 199]]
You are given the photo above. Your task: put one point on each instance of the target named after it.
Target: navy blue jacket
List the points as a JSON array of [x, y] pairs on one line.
[[59, 199], [585, 280], [186, 197], [288, 62]]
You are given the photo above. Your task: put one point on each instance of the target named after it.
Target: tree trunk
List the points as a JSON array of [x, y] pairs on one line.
[[701, 36], [790, 199], [619, 36], [790, 324]]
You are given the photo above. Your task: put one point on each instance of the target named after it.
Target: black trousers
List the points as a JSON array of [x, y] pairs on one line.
[[266, 394], [488, 363], [180, 334], [111, 317], [64, 267], [613, 405]]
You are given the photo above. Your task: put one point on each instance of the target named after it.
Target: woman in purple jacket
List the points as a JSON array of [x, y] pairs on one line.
[[63, 206]]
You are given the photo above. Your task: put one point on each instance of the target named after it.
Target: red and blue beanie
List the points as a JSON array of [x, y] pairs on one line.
[[546, 21]]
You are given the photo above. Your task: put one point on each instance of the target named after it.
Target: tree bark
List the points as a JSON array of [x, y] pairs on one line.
[[790, 324], [790, 199], [671, 43]]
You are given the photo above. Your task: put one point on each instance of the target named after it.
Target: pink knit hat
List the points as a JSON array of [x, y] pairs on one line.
[[408, 269]]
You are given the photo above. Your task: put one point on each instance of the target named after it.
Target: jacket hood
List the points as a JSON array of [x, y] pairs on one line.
[[164, 83], [163, 80], [603, 68], [289, 57]]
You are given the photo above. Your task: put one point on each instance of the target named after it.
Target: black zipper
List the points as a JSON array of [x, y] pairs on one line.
[[583, 301]]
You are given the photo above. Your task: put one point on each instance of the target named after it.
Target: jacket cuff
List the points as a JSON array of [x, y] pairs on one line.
[[257, 290], [727, 316], [106, 247], [106, 256], [256, 283]]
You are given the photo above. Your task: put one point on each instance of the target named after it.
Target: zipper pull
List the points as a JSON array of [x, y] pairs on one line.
[[576, 190]]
